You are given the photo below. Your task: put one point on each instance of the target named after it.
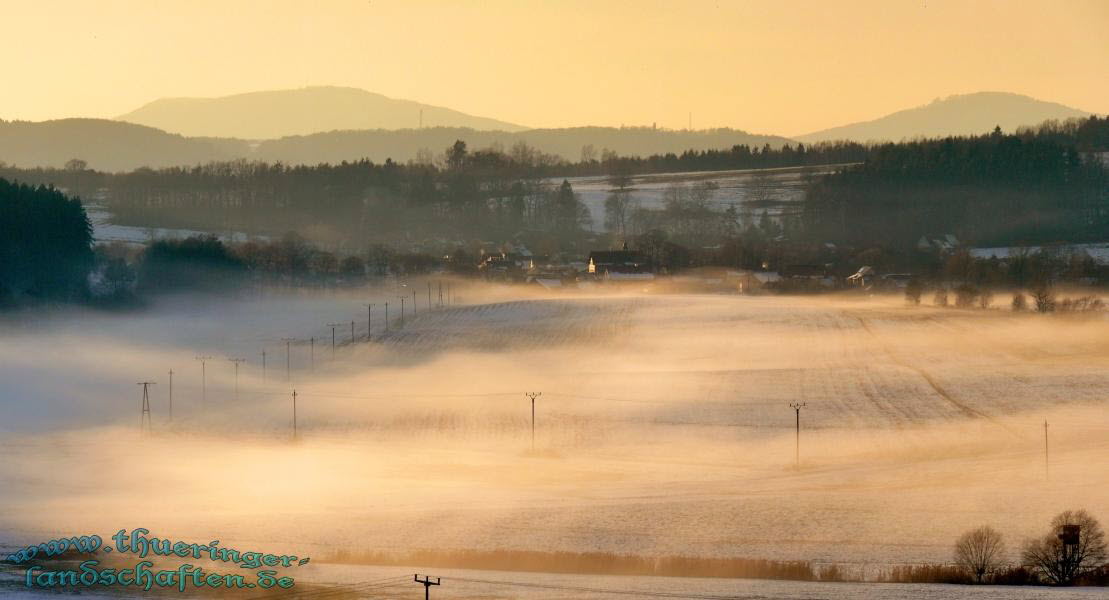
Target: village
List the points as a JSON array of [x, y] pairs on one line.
[[943, 260]]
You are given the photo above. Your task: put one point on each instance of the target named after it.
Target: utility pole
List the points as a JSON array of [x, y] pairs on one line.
[[369, 320], [144, 419], [287, 341], [448, 293], [333, 326], [312, 353], [429, 295], [386, 317], [171, 395], [797, 445], [440, 293], [204, 379], [427, 584], [237, 361], [263, 364], [294, 414], [1047, 473], [402, 298], [533, 396], [352, 332]]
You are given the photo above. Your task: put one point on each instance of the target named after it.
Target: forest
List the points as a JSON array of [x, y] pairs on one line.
[[1040, 185], [45, 244], [460, 194]]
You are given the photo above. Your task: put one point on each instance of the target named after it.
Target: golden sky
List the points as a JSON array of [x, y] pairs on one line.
[[785, 67]]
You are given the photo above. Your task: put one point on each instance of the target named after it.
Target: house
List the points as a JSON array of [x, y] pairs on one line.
[[809, 275], [863, 277], [750, 282], [945, 243], [619, 265]]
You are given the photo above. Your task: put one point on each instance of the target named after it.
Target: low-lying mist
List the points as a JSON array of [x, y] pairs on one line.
[[663, 428]]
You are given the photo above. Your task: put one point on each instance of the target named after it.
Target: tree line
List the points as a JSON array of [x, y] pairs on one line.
[[45, 245], [1036, 186]]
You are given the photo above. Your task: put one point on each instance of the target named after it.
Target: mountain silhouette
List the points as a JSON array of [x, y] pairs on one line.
[[280, 113], [966, 114]]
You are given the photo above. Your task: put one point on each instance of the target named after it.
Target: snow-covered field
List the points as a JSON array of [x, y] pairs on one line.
[[774, 188], [664, 428]]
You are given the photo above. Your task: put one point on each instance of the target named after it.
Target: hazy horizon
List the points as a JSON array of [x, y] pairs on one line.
[[790, 68]]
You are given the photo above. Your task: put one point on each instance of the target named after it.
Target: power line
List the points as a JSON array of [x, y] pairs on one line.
[[571, 588], [144, 418], [533, 396], [171, 395], [203, 379], [1047, 474], [333, 326], [797, 446], [369, 321], [427, 582], [287, 341], [237, 361]]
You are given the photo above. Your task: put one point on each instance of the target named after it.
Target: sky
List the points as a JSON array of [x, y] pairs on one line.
[[784, 67]]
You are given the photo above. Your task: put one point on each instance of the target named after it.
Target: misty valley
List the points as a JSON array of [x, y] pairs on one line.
[[554, 300]]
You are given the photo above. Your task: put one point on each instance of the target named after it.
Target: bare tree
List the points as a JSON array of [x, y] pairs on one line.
[[1075, 544], [979, 551], [1020, 303], [1044, 297], [985, 299], [940, 298]]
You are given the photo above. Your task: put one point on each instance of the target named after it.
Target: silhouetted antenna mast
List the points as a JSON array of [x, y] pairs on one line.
[[237, 361], [797, 444], [204, 379], [144, 418], [533, 396], [427, 584]]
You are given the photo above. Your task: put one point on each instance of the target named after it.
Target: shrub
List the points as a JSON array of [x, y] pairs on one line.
[[940, 298]]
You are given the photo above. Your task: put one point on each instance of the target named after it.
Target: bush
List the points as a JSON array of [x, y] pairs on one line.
[[965, 296], [1044, 297], [940, 298], [1083, 304], [913, 292], [985, 299], [1020, 303]]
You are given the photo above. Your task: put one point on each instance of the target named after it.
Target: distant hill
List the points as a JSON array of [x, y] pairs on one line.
[[107, 145], [280, 113], [116, 146], [955, 115], [403, 145]]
